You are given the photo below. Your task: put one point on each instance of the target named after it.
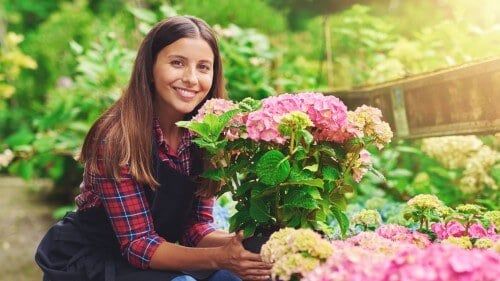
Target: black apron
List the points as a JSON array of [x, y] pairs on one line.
[[83, 246]]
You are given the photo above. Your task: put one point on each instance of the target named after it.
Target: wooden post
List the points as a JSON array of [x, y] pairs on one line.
[[329, 51]]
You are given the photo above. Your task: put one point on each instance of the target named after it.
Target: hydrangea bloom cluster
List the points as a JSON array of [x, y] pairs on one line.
[[367, 218], [452, 152], [434, 263], [328, 114], [492, 217], [476, 173], [453, 229], [295, 251], [376, 243], [368, 121], [361, 163], [400, 233], [350, 263], [462, 242], [218, 107], [468, 153], [425, 201]]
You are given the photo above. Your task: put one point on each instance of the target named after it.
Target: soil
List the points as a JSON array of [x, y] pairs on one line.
[[24, 219]]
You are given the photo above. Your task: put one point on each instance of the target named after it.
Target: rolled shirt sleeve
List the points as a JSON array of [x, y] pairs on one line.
[[200, 222]]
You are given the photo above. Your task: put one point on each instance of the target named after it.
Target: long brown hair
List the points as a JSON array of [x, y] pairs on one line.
[[123, 135]]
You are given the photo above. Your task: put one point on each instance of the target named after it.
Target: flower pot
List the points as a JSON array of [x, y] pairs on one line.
[[255, 242]]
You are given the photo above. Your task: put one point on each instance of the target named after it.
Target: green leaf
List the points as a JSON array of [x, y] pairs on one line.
[[330, 173], [26, 169], [308, 137], [299, 153], [249, 230], [214, 174], [202, 129], [329, 151], [312, 168], [495, 172], [238, 219], [342, 219], [259, 210], [400, 173], [21, 137], [143, 14], [298, 175], [273, 168], [300, 198], [308, 182], [243, 189]]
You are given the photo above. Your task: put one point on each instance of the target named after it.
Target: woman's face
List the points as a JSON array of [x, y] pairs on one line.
[[183, 75]]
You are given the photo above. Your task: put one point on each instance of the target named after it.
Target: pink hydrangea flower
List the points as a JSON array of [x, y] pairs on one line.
[[214, 106], [328, 114], [400, 233], [435, 263], [236, 126], [440, 230], [476, 230], [452, 228]]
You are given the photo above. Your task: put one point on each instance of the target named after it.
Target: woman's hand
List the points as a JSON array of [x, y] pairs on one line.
[[247, 265]]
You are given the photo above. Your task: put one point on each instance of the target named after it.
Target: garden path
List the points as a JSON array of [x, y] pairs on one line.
[[24, 219]]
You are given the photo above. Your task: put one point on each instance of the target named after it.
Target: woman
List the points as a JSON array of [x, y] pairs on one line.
[[139, 195]]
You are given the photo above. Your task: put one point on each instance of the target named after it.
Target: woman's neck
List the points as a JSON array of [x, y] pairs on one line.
[[171, 132]]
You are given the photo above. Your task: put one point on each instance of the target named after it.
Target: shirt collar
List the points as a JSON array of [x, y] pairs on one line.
[[186, 139]]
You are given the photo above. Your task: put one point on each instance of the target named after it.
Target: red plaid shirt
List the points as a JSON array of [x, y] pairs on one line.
[[128, 210]]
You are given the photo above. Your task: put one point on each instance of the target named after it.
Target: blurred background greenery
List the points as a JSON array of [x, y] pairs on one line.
[[62, 62]]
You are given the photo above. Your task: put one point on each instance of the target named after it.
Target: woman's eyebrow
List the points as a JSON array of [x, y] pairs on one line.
[[185, 58]]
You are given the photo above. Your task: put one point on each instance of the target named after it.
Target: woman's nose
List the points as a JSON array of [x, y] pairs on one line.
[[189, 76]]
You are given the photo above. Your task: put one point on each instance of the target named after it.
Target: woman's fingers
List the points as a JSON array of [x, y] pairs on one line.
[[251, 256], [256, 269]]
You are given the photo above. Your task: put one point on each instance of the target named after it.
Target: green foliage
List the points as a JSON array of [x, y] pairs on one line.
[[247, 57], [248, 13], [273, 168], [47, 149]]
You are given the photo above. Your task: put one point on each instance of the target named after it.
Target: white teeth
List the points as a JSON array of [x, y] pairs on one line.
[[185, 93]]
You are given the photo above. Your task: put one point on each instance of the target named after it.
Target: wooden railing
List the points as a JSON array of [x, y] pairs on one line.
[[460, 100]]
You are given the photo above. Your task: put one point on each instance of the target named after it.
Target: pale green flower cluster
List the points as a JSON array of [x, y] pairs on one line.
[[468, 153], [367, 218], [425, 201], [462, 242], [444, 211], [483, 243], [293, 122], [291, 264], [496, 247], [277, 245], [477, 169], [452, 152], [295, 251], [493, 217], [472, 209]]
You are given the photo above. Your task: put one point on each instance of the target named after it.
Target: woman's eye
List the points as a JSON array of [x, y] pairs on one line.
[[176, 63], [204, 67]]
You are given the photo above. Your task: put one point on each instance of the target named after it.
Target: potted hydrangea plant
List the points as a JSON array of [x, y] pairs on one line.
[[287, 160]]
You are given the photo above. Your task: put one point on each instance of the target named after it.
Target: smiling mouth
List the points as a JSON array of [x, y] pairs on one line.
[[185, 93]]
